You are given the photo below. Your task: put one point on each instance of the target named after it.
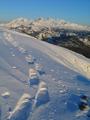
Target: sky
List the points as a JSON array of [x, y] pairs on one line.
[[77, 11]]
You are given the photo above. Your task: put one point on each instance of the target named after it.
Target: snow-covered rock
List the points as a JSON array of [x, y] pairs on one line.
[[22, 109]]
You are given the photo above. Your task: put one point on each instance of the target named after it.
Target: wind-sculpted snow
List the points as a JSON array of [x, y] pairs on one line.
[[39, 81], [22, 109], [42, 95]]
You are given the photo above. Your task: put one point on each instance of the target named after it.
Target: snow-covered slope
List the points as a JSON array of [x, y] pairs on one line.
[[63, 77]]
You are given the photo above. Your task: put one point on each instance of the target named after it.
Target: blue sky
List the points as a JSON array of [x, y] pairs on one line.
[[70, 10]]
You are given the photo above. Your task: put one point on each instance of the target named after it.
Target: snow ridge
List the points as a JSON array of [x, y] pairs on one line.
[[57, 93], [40, 23]]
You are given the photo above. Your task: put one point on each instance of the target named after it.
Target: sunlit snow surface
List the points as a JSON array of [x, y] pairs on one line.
[[63, 73]]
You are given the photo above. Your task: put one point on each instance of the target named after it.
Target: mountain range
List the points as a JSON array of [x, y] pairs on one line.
[[58, 32]]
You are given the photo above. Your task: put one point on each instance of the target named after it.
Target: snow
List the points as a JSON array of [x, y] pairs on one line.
[[42, 95], [22, 50], [40, 23], [66, 77], [29, 59], [33, 77], [57, 24], [5, 95], [68, 58], [14, 67], [22, 109], [39, 68], [18, 22], [42, 85]]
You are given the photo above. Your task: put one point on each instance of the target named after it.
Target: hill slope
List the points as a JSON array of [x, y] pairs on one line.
[[59, 32], [63, 76]]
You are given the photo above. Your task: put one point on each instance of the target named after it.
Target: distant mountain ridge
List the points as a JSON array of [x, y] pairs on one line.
[[49, 22], [59, 32]]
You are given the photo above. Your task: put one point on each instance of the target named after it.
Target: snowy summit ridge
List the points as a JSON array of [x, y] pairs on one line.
[[49, 22], [41, 81], [18, 22]]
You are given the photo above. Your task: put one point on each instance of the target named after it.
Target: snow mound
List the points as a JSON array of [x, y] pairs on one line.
[[42, 95], [22, 109], [33, 77]]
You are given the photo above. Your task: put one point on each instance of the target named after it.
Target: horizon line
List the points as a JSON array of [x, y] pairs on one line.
[[28, 18]]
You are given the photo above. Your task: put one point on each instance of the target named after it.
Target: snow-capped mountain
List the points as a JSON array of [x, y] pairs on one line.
[[46, 23], [18, 22], [59, 32], [40, 81]]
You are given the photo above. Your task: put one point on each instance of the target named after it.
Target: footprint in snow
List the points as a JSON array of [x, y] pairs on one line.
[[39, 68], [84, 106], [22, 50], [33, 77], [29, 59], [23, 108], [42, 95]]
